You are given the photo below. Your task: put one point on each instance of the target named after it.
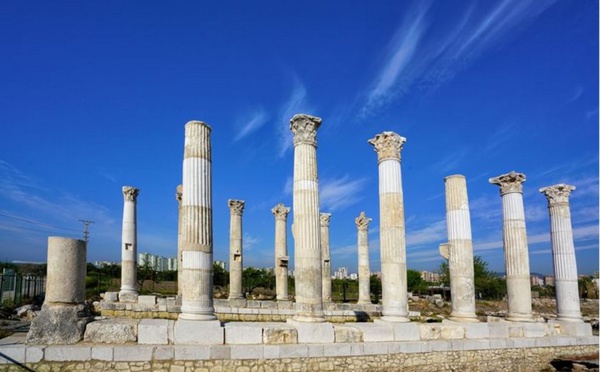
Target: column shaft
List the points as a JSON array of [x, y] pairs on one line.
[[281, 255], [178, 196], [326, 262], [364, 270], [129, 242], [235, 249]]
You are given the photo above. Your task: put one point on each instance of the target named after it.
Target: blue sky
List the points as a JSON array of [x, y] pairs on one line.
[[95, 95]]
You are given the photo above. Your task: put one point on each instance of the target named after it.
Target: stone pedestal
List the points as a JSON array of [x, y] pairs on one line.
[[312, 333], [196, 233], [460, 250], [563, 253], [198, 333], [64, 315], [179, 197], [388, 146], [281, 255], [364, 270], [306, 225], [236, 208], [326, 263], [129, 243], [516, 254]]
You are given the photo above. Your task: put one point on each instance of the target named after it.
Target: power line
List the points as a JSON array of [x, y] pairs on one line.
[[36, 222], [86, 232]]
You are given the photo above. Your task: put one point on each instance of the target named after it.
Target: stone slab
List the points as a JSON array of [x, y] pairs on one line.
[[535, 330], [375, 332], [202, 332], [192, 352], [279, 333], [572, 328], [128, 297], [102, 353], [153, 332], [67, 353], [246, 352], [313, 332], [111, 296], [498, 329], [402, 331], [243, 333], [132, 353], [111, 331], [12, 354], [347, 333], [34, 354]]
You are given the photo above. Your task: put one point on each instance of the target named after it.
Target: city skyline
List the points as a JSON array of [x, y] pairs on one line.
[[95, 97]]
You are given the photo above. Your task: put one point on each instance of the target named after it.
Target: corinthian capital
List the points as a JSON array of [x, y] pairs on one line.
[[325, 217], [557, 194], [304, 127], [362, 221], [236, 206], [388, 145], [280, 211], [130, 193], [509, 182], [179, 193]]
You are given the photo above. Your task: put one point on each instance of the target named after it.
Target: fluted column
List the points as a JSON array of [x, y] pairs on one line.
[[364, 270], [460, 250], [196, 234], [129, 243], [281, 256], [178, 196], [236, 208], [388, 146], [516, 254], [306, 224], [563, 252], [326, 262]]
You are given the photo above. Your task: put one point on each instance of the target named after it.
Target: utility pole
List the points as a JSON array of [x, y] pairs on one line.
[[86, 232]]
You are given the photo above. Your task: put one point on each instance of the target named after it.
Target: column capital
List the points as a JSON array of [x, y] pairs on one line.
[[388, 145], [557, 194], [236, 206], [304, 127], [509, 183], [179, 193], [280, 211], [130, 193], [325, 217], [362, 221]]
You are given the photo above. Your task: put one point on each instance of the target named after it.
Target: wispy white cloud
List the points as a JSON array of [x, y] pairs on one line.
[[450, 162], [591, 114], [500, 136], [433, 233], [296, 104], [251, 123], [576, 95], [340, 193], [288, 187], [249, 241]]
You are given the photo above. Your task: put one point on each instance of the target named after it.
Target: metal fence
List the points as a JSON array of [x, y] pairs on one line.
[[15, 288]]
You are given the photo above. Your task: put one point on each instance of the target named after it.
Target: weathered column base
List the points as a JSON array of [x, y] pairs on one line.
[[194, 332], [59, 324], [203, 317], [524, 318], [463, 317]]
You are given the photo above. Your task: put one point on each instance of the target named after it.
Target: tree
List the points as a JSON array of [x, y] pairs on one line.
[[488, 285], [220, 276], [415, 282]]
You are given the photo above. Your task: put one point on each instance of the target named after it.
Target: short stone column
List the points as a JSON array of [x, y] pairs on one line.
[[129, 290], [64, 314], [364, 270], [326, 263], [281, 255], [196, 233], [460, 250], [179, 196], [563, 253], [388, 146], [516, 254], [236, 208], [306, 224]]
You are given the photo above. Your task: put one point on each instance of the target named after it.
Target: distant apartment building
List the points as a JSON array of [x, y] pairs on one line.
[[101, 264], [549, 280], [341, 273], [157, 263], [221, 264], [353, 276], [430, 277], [536, 280]]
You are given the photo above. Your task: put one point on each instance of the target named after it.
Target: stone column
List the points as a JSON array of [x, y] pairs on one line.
[[179, 196], [460, 250], [281, 256], [306, 225], [388, 146], [236, 208], [326, 263], [563, 252], [364, 271], [516, 255], [129, 290], [64, 315], [196, 233]]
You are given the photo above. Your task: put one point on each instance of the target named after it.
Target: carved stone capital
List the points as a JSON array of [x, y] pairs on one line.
[[362, 221], [130, 193], [325, 217], [557, 194], [281, 212], [388, 145], [179, 194], [236, 206], [509, 182], [304, 127]]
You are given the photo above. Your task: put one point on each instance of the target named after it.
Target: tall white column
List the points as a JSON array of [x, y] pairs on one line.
[[178, 196], [196, 234], [460, 250], [388, 146], [306, 224], [516, 254], [129, 244], [236, 208], [563, 252], [364, 270], [281, 255], [326, 263]]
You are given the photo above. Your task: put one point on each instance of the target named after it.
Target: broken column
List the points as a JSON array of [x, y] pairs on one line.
[[281, 256], [178, 196], [326, 263], [364, 271], [236, 208], [388, 146], [64, 314], [306, 224], [516, 254], [563, 253], [460, 250], [129, 290]]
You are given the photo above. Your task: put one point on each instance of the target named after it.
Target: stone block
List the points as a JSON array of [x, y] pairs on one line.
[[520, 342], [441, 332], [243, 333], [271, 352], [128, 297], [478, 344], [163, 353], [34, 354], [102, 353], [336, 350], [279, 333], [111, 296], [411, 346], [198, 332], [111, 331], [201, 352], [153, 332], [440, 345], [375, 348], [59, 325], [293, 351], [220, 352], [498, 329], [313, 332], [403, 331], [67, 353], [515, 331], [345, 333], [535, 330], [268, 305], [315, 351], [246, 351], [375, 332], [573, 328], [132, 353], [285, 305], [498, 343], [476, 330], [12, 355], [241, 303]]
